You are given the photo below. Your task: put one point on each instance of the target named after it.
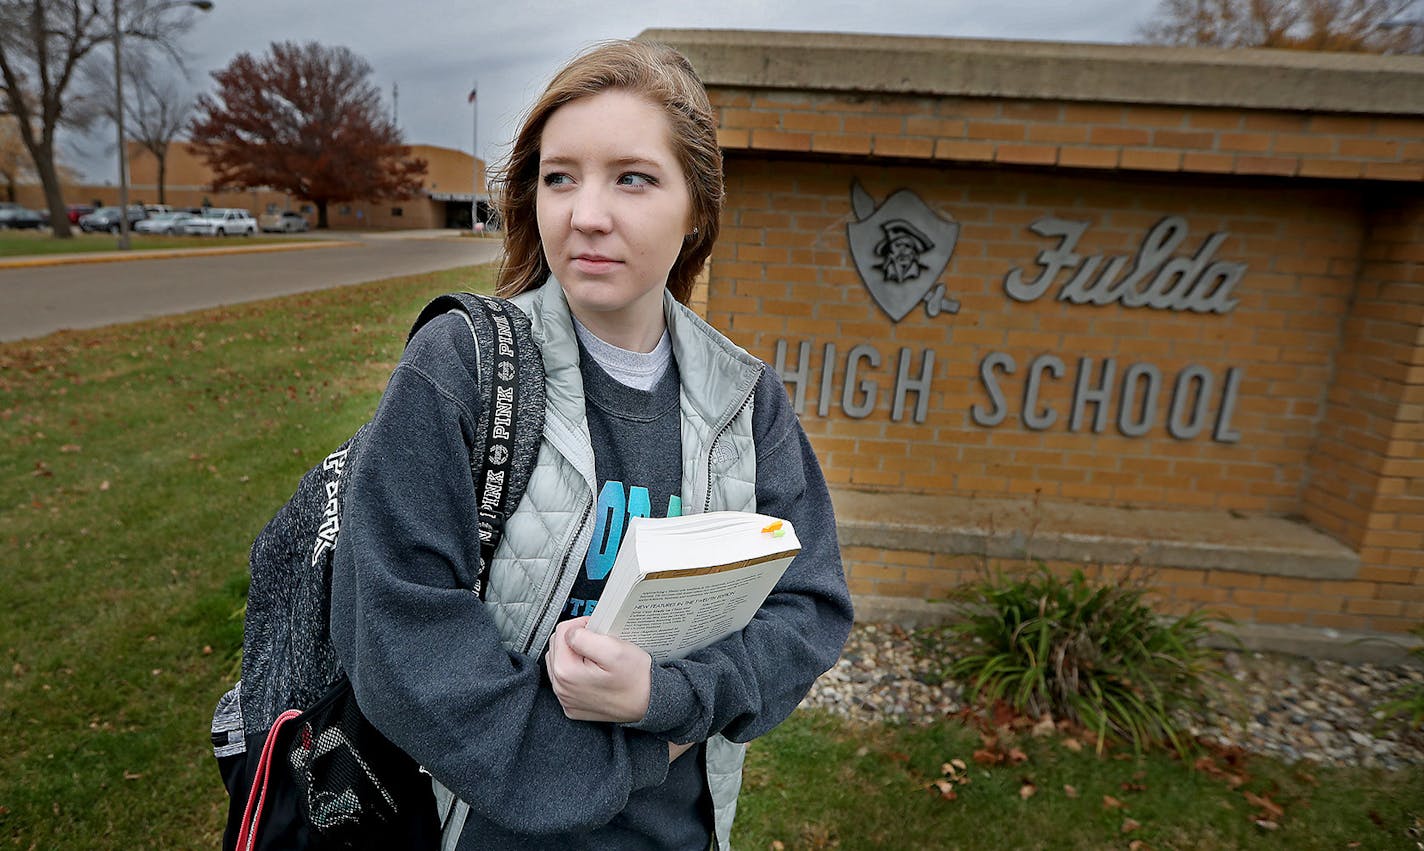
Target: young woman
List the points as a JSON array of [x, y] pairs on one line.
[[550, 735]]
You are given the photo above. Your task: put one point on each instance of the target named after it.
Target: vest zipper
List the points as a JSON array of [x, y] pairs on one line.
[[558, 581], [712, 447]]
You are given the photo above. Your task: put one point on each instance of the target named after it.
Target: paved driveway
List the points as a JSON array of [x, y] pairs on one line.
[[37, 301]]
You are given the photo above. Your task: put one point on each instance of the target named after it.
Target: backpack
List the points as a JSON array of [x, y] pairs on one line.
[[298, 759]]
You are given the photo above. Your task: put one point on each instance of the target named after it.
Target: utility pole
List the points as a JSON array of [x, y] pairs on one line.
[[119, 123], [395, 104]]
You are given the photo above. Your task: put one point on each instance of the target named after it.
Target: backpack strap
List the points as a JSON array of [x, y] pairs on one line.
[[513, 420], [503, 350]]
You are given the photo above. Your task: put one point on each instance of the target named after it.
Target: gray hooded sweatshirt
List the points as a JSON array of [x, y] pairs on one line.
[[427, 659]]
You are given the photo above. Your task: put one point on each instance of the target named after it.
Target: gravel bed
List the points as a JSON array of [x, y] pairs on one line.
[[1284, 706]]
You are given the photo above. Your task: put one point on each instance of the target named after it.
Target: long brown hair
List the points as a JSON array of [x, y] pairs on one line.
[[663, 76]]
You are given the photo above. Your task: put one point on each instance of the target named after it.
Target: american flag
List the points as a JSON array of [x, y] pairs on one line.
[[471, 98]]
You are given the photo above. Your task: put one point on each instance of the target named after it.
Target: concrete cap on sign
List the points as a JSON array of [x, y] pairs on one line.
[[1043, 70]]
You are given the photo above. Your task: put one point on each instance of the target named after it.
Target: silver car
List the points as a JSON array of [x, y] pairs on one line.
[[221, 221], [170, 224]]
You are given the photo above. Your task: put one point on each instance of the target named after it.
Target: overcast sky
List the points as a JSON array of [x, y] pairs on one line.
[[435, 50]]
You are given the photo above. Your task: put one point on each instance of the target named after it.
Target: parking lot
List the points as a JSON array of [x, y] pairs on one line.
[[43, 299]]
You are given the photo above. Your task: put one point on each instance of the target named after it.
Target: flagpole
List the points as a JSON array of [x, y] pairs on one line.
[[475, 153]]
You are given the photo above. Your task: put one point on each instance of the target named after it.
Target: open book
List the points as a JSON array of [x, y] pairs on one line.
[[682, 583]]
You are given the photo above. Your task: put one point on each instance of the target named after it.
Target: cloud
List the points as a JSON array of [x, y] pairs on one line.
[[435, 49]]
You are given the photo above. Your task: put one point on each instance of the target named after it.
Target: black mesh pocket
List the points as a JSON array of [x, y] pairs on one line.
[[354, 789]]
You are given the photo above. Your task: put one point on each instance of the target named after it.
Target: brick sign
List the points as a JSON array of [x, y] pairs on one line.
[[900, 249]]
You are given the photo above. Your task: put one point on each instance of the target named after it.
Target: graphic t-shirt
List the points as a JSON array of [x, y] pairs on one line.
[[637, 450]]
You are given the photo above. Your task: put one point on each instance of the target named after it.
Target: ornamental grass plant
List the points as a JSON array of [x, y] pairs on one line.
[[1409, 706], [1094, 653]]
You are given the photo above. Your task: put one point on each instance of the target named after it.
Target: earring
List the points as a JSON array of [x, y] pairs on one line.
[[693, 234]]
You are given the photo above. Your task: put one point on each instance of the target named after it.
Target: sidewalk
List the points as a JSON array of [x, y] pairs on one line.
[[28, 261], [327, 239]]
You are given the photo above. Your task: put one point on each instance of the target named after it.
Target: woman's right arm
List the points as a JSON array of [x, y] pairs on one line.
[[423, 653]]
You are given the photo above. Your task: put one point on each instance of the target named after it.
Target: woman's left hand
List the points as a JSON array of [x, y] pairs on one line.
[[598, 677]]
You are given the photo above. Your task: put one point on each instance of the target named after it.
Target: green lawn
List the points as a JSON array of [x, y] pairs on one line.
[[140, 460], [23, 243]]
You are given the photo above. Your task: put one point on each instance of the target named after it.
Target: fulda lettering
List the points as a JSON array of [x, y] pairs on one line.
[[1156, 280]]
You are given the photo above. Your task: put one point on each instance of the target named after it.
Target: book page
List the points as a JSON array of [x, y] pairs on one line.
[[671, 617]]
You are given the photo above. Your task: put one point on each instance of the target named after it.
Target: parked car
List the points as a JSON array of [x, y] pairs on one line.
[[155, 209], [165, 223], [221, 221], [107, 219], [287, 222], [76, 210], [15, 216]]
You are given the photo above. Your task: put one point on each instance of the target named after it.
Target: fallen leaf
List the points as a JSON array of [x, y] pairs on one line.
[[1133, 787], [1045, 727], [1027, 791], [987, 757], [1111, 803], [104, 485], [959, 764], [133, 775], [1130, 824], [778, 845], [1016, 756], [1266, 824], [1138, 845], [1264, 803], [70, 447], [1070, 791], [1073, 745]]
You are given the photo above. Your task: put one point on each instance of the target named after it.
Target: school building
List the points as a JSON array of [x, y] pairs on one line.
[[1100, 306], [449, 187]]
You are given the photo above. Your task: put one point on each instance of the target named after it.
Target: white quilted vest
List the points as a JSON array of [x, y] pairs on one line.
[[546, 537]]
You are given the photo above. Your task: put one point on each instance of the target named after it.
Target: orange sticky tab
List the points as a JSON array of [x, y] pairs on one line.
[[772, 527]]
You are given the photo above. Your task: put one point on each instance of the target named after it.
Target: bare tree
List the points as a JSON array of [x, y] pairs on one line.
[[43, 46], [1360, 26], [156, 107]]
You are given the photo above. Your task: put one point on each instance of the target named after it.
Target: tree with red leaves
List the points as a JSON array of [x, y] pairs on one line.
[[307, 120]]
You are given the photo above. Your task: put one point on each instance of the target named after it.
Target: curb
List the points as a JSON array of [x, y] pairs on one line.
[[33, 261]]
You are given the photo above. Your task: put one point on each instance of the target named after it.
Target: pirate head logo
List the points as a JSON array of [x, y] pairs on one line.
[[900, 249]]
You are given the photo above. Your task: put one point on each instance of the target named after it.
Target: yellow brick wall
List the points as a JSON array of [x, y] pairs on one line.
[[1076, 135], [1328, 333], [1368, 487], [783, 271], [1247, 598]]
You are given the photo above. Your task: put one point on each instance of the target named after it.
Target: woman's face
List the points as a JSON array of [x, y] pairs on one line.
[[613, 208]]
